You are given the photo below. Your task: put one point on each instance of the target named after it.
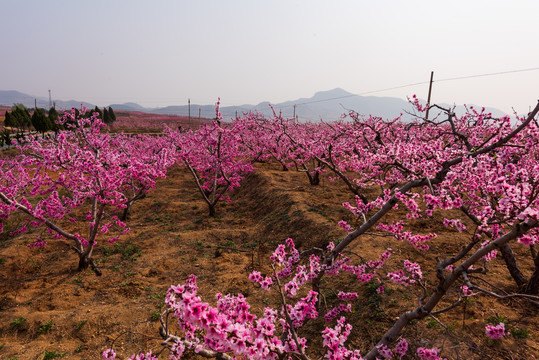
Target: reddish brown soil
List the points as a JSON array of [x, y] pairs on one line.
[[172, 236]]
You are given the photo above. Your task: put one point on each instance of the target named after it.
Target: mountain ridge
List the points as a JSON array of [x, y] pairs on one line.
[[326, 105]]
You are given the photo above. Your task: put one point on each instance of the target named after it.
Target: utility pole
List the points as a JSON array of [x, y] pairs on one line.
[[428, 98], [294, 110], [198, 113], [189, 109], [50, 99]]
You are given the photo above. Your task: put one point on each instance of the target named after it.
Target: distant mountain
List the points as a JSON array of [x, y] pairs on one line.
[[129, 106], [330, 105], [69, 104], [325, 105], [10, 97]]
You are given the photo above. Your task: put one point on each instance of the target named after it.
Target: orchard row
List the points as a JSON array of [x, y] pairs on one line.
[[485, 169]]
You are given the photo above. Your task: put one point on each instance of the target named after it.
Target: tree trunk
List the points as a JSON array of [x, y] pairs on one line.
[[532, 287], [126, 212], [314, 179], [512, 266], [85, 261], [129, 205], [211, 209]]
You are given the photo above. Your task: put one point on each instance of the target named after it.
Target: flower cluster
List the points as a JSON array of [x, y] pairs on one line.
[[428, 354], [37, 243], [495, 332], [414, 271], [418, 241], [466, 291], [265, 282]]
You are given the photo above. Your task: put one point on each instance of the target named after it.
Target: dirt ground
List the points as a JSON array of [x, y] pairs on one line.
[[48, 310]]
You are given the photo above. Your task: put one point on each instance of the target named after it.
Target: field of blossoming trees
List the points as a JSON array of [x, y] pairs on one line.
[[130, 121], [265, 238]]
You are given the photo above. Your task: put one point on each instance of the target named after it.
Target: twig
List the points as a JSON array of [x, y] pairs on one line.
[[501, 297], [288, 319]]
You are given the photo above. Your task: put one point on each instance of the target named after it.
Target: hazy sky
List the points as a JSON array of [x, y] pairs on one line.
[[162, 52]]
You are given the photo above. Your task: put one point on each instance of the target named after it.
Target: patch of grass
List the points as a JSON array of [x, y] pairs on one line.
[[77, 281], [45, 328], [17, 323], [81, 324], [2, 261], [330, 295], [519, 333], [198, 221], [432, 324], [131, 252], [15, 221], [230, 244], [35, 266], [157, 296], [296, 213], [49, 355], [275, 215], [79, 348], [127, 251], [155, 316], [315, 210], [197, 243], [496, 319], [249, 245], [374, 298]]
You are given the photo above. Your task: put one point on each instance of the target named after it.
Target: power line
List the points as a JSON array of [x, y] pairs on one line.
[[489, 74], [415, 84]]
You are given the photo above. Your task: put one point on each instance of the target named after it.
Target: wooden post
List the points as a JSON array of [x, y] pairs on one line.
[[428, 98]]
